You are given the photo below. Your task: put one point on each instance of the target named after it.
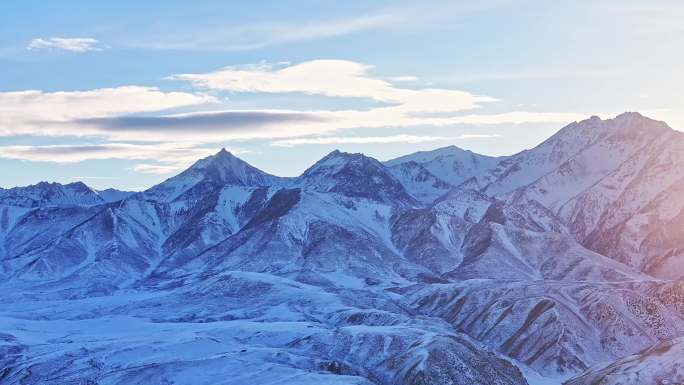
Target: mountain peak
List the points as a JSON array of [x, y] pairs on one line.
[[630, 115], [223, 153], [451, 164], [335, 161], [220, 169], [355, 175], [626, 124], [226, 168], [342, 154], [51, 194], [631, 118]]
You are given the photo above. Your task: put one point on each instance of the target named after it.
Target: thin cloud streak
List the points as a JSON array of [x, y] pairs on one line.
[[254, 36], [357, 140], [35, 112], [222, 121], [411, 139], [338, 78], [156, 169], [73, 44], [168, 156]]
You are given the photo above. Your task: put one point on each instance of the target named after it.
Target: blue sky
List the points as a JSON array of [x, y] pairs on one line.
[[127, 93]]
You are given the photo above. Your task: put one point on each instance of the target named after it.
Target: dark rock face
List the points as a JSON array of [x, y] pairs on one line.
[[358, 176], [477, 241], [281, 202], [438, 362], [412, 234]]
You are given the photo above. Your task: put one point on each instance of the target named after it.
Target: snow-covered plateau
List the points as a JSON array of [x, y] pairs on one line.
[[562, 264]]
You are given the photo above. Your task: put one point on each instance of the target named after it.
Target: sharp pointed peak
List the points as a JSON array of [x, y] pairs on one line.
[[223, 152], [222, 158], [221, 169]]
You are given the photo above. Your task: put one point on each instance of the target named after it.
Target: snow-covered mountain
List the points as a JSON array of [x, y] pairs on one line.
[[440, 267], [221, 169], [661, 364], [114, 195], [355, 176], [51, 194], [450, 164]]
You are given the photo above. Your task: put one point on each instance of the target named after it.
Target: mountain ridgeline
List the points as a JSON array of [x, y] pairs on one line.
[[562, 263]]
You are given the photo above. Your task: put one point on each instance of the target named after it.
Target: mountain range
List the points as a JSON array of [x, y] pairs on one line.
[[562, 264]]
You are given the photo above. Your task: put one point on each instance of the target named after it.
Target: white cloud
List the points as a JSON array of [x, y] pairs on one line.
[[71, 44], [170, 157], [341, 78], [517, 117], [53, 113], [403, 107], [134, 113], [403, 79]]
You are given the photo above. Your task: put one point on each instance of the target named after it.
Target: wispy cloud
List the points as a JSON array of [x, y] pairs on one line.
[[403, 107], [171, 157], [200, 122], [35, 112], [253, 36], [400, 79], [135, 113], [410, 139], [71, 44], [341, 78], [160, 169]]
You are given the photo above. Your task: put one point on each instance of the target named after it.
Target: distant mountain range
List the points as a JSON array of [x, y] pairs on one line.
[[560, 263]]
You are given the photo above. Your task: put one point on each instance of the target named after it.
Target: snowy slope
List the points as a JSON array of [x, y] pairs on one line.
[[356, 176], [114, 195], [440, 267], [450, 164], [50, 194], [662, 364], [220, 169], [419, 182]]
